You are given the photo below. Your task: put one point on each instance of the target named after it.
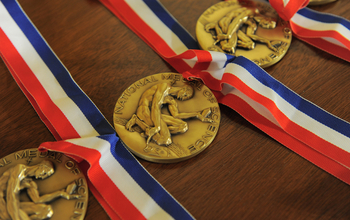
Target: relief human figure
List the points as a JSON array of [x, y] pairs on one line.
[[18, 178], [158, 126], [229, 35]]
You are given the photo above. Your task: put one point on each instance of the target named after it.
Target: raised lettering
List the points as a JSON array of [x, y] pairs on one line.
[[265, 60], [20, 155], [167, 76], [131, 89], [153, 79], [124, 96], [287, 33], [196, 84], [214, 116], [75, 171], [118, 109], [212, 100], [200, 143], [273, 55], [207, 93], [76, 216], [32, 153], [79, 182], [256, 62], [79, 205], [70, 165], [147, 81], [211, 128], [82, 190], [121, 102], [138, 84], [43, 154], [5, 161], [55, 156], [192, 148], [215, 109], [207, 136]]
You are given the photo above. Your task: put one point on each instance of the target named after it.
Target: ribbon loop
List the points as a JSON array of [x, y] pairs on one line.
[[242, 85], [324, 31], [118, 181], [286, 9]]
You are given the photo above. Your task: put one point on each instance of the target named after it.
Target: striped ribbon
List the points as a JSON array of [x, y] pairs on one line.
[[240, 84], [119, 182], [288, 8], [324, 31]]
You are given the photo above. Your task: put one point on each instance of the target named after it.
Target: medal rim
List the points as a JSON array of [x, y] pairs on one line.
[[38, 159], [264, 65], [120, 129]]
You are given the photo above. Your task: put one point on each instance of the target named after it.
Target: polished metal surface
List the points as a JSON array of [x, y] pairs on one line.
[[247, 28], [45, 185], [244, 174], [164, 118]]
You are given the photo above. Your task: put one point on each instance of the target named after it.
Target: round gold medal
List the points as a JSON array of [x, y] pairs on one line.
[[164, 118], [38, 185], [320, 2], [246, 28]]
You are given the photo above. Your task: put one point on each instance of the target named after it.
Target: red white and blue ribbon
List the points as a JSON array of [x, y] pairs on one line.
[[305, 128], [324, 31], [287, 8], [119, 182]]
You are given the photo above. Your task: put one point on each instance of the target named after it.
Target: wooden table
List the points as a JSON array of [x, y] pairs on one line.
[[244, 174]]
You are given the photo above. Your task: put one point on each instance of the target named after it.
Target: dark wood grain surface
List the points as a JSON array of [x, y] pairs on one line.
[[244, 174]]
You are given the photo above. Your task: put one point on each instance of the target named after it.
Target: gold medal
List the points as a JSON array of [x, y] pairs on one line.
[[38, 185], [166, 135], [320, 2], [248, 28]]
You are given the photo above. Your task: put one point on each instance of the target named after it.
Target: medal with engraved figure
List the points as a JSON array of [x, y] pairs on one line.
[[246, 28], [41, 185], [165, 118]]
